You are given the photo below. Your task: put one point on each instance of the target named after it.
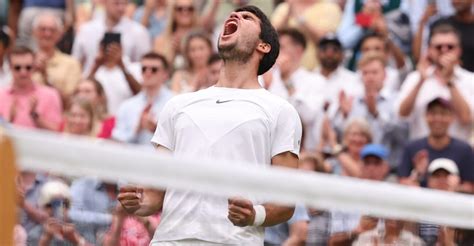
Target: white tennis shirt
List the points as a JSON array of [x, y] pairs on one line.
[[249, 125]]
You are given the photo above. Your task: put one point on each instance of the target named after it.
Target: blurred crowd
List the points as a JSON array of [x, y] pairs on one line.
[[384, 89]]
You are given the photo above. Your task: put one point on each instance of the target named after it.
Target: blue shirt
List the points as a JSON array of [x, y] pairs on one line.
[[31, 196], [90, 203], [279, 233], [129, 113], [58, 4], [458, 151], [155, 26]]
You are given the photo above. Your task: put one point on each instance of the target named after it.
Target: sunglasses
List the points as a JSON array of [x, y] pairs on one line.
[[449, 47], [58, 203], [184, 8], [151, 68], [19, 67]]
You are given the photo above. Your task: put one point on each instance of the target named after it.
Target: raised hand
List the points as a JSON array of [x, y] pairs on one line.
[[131, 198]]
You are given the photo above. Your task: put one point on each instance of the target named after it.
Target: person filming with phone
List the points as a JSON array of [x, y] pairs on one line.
[[439, 75], [114, 71], [58, 229]]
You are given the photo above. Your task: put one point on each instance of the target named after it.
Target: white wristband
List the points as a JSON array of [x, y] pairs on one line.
[[260, 215]]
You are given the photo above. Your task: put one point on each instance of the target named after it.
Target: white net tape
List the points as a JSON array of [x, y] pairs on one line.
[[74, 156]]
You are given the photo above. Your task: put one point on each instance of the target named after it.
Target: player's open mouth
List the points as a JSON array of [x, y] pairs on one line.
[[230, 27]]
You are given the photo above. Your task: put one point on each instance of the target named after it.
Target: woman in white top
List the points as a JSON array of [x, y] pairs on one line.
[[197, 50]]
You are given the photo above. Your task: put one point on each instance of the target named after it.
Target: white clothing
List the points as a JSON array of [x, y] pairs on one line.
[[5, 74], [115, 85], [135, 41], [248, 125], [431, 89], [341, 79], [307, 98]]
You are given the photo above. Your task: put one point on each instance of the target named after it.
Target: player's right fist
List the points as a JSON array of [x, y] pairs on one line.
[[130, 197]]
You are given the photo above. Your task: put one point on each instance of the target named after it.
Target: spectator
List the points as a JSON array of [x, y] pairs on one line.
[[392, 234], [443, 174], [81, 119], [346, 227], [137, 116], [292, 232], [29, 187], [340, 85], [292, 81], [439, 144], [26, 103], [153, 16], [5, 74], [197, 50], [313, 18], [91, 90], [463, 21], [423, 15], [384, 17], [182, 18], [214, 65], [393, 73], [54, 68], [376, 107], [135, 40], [93, 204], [116, 74], [58, 229], [346, 157], [62, 9], [439, 75]]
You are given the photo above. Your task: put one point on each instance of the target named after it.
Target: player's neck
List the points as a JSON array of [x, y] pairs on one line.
[[238, 75]]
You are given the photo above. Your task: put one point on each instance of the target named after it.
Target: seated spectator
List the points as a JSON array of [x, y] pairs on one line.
[[58, 229], [116, 74], [197, 50], [91, 90], [394, 73], [346, 227], [63, 9], [376, 107], [293, 82], [443, 174], [5, 74], [26, 103], [153, 15], [92, 205], [391, 234], [183, 18], [346, 158], [81, 119], [292, 232], [135, 40], [311, 17], [137, 116], [214, 66], [439, 75], [54, 68], [439, 144], [463, 21], [29, 187]]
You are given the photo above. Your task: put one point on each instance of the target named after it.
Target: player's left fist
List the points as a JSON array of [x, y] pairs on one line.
[[241, 212]]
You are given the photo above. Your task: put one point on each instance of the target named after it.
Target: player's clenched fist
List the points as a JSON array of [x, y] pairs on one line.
[[241, 212], [130, 197]]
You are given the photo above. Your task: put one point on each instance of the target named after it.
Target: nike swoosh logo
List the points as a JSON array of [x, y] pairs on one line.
[[219, 101]]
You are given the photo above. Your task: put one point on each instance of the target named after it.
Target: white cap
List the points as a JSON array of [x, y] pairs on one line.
[[443, 163], [52, 190]]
